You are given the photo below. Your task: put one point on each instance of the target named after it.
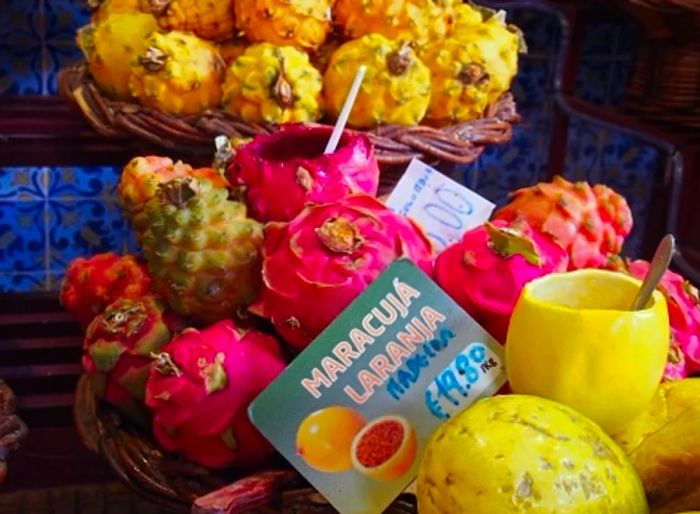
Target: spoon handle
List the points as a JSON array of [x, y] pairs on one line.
[[659, 265]]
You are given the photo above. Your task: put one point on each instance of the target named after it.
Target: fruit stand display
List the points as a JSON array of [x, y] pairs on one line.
[[246, 262]]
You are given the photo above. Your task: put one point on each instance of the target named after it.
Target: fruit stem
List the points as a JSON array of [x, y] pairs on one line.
[[164, 364], [509, 241], [339, 235], [399, 61], [153, 60], [282, 89]]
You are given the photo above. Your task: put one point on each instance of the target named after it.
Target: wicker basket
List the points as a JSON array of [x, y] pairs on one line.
[[193, 135], [178, 485], [12, 429]]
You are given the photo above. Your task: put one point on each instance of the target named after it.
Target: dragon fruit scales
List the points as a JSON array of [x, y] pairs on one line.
[[90, 285], [590, 222], [283, 172], [684, 316], [199, 390], [118, 347], [486, 271], [317, 264]]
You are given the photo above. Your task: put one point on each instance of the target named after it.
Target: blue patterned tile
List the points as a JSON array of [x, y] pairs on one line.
[[620, 161], [593, 80], [64, 17], [22, 282], [54, 281], [600, 38], [20, 21], [501, 169], [21, 68], [92, 181], [19, 183], [22, 237], [533, 84], [58, 55], [82, 228], [542, 31]]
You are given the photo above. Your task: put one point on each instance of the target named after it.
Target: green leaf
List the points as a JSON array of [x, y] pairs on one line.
[[509, 241]]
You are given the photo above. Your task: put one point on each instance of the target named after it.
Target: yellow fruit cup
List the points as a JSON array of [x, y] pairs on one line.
[[573, 339]]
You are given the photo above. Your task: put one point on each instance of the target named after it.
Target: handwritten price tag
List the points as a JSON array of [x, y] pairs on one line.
[[443, 207]]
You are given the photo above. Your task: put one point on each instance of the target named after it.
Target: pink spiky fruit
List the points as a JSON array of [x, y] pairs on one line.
[[91, 284], [118, 347], [199, 390], [591, 223], [317, 264], [486, 271], [684, 317], [281, 173]]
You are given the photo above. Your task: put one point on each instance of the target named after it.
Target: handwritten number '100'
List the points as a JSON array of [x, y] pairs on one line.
[[447, 212]]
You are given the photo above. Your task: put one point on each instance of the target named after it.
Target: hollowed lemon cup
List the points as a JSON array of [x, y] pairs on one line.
[[573, 339]]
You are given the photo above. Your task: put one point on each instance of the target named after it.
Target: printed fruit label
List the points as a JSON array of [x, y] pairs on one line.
[[443, 207], [354, 411]]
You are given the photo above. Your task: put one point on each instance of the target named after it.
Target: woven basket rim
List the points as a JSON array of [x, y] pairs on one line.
[[175, 483], [394, 145]]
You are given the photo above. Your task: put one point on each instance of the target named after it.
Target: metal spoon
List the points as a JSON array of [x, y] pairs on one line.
[[657, 268]]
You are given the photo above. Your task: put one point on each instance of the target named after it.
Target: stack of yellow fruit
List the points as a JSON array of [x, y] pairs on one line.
[[439, 61]]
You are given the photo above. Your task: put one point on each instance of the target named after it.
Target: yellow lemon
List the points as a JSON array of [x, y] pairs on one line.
[[573, 339]]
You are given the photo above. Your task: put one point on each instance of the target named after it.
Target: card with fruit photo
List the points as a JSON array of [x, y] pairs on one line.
[[354, 411]]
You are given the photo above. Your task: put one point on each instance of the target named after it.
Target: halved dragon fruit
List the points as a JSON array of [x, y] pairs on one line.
[[282, 173]]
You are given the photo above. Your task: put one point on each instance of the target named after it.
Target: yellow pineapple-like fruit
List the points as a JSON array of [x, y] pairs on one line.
[[111, 46], [209, 19], [103, 8], [274, 84], [470, 70], [396, 88], [300, 23], [178, 73], [464, 18], [418, 21], [232, 50]]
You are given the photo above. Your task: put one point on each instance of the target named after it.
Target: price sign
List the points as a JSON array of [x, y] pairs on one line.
[[402, 357], [444, 208]]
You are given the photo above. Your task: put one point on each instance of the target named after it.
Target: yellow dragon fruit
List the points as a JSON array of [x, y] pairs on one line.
[[178, 73], [300, 23], [206, 18], [276, 84], [418, 21], [111, 46], [396, 88]]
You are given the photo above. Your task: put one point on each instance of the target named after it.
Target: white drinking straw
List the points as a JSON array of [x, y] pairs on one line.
[[345, 112]]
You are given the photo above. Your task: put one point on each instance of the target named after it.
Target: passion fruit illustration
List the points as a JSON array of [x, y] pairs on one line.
[[385, 448], [325, 437]]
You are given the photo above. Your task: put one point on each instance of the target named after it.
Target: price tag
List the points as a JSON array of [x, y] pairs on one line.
[[444, 208], [401, 359]]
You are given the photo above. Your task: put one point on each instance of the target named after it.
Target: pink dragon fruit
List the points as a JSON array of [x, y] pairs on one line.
[[283, 172], [117, 350], [486, 271], [684, 316], [317, 264], [200, 387]]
